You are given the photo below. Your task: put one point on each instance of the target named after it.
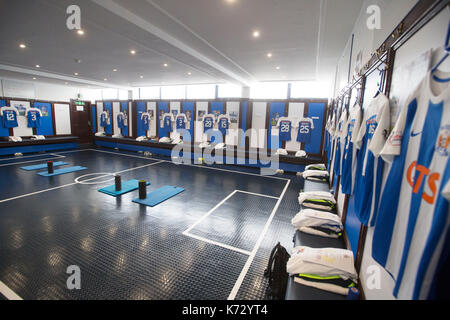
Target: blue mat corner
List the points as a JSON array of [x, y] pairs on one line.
[[160, 195], [127, 186]]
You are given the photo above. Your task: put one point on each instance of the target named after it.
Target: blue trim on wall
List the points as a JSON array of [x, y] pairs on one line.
[[275, 108], [244, 108], [124, 107], [46, 127], [141, 107], [4, 132], [163, 107], [38, 148], [107, 106], [189, 106], [94, 118], [316, 110]]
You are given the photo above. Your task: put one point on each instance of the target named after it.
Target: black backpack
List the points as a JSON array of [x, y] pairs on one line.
[[276, 273]]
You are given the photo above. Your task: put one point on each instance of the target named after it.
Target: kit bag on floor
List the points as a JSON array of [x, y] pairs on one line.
[[276, 273]]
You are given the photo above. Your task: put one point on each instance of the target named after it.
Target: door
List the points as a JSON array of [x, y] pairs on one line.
[[81, 123]]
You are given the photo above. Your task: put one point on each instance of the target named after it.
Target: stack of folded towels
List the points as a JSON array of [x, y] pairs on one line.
[[141, 138], [327, 269], [15, 139], [316, 172], [320, 223], [321, 200]]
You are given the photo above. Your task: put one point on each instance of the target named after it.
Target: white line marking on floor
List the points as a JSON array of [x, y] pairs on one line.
[[217, 243], [8, 293], [188, 234], [23, 162], [209, 212], [71, 184], [25, 157], [193, 165], [247, 265], [258, 194]]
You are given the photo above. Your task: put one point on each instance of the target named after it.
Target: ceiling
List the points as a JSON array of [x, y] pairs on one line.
[[201, 41]]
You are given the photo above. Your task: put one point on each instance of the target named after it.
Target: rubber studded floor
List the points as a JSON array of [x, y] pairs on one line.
[[126, 251]]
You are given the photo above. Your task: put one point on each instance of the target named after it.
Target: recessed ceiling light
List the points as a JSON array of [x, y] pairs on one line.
[[230, 1], [23, 46], [115, 70], [165, 65], [105, 79], [189, 73], [38, 66], [256, 34], [75, 73], [80, 32], [269, 55], [278, 68], [133, 51], [142, 77]]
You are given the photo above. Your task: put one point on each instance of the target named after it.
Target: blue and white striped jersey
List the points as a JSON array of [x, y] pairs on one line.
[[412, 226]]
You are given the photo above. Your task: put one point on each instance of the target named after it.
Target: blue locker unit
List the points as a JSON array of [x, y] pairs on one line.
[[217, 108], [276, 111], [316, 112], [107, 106], [188, 107], [244, 107], [163, 107], [123, 108], [141, 107], [352, 226], [4, 132], [94, 118], [46, 128]]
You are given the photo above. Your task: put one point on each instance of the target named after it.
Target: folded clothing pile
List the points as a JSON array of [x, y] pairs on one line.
[[320, 223], [204, 145], [327, 269], [141, 138], [165, 140], [281, 152], [177, 141], [316, 175], [220, 146], [300, 154], [15, 139], [37, 137], [100, 134], [321, 200], [320, 167]]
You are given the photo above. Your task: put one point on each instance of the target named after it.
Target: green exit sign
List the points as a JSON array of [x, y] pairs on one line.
[[79, 103]]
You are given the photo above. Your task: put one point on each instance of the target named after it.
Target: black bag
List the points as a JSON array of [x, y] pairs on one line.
[[276, 273]]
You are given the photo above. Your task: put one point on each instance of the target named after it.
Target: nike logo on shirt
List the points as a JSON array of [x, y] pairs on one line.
[[415, 134]]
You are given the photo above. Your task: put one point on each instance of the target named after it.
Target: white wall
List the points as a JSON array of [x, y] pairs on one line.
[[38, 90], [366, 41]]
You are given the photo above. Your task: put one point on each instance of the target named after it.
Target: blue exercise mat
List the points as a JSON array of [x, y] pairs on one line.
[[61, 171], [127, 186], [43, 166], [156, 197]]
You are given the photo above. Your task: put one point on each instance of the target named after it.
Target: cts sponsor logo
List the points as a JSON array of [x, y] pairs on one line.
[[423, 175]]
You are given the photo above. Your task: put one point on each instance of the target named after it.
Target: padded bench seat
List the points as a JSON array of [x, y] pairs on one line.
[[31, 146], [297, 291], [287, 163]]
